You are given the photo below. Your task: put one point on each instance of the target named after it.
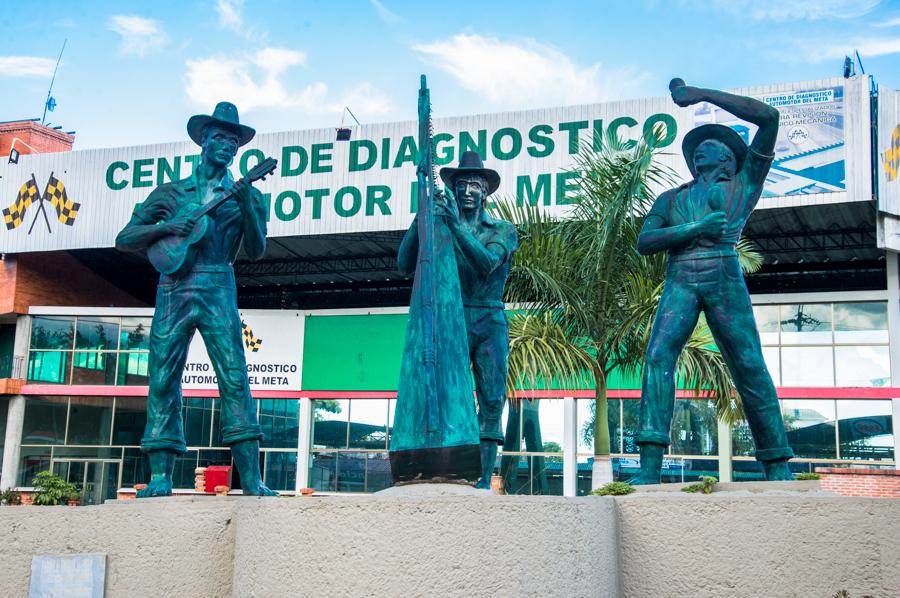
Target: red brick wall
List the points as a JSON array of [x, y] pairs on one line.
[[42, 139], [55, 278], [875, 483]]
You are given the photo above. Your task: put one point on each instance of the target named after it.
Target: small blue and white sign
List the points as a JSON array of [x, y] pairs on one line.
[[71, 576]]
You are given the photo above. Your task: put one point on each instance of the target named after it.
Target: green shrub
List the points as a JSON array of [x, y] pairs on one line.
[[50, 489], [614, 489], [705, 485], [10, 497], [807, 476]]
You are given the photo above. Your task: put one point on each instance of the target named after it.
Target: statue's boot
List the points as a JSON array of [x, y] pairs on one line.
[[488, 459], [777, 470], [246, 459], [651, 465], [162, 467]]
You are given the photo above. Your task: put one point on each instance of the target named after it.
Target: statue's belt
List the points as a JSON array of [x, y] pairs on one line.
[[704, 254]]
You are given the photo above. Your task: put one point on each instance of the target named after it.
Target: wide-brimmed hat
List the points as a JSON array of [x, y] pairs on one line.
[[721, 133], [226, 116], [470, 163]]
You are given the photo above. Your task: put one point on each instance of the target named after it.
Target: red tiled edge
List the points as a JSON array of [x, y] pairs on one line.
[[857, 471], [141, 391]]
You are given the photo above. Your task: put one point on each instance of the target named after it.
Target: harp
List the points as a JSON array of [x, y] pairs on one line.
[[435, 430]]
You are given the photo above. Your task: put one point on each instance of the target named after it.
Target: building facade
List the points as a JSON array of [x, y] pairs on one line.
[[325, 306]]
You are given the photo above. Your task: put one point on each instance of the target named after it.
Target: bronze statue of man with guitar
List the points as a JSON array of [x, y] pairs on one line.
[[191, 230]]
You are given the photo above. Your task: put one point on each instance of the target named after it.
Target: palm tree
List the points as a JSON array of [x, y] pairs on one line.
[[588, 299]]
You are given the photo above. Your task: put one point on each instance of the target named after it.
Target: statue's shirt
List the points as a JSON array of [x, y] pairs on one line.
[[693, 201], [480, 290], [171, 199]]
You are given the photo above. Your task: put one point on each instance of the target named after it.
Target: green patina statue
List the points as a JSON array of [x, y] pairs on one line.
[[699, 224], [192, 232], [483, 248], [457, 326]]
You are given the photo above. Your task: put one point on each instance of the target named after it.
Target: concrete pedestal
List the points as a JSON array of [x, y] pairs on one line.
[[420, 541]]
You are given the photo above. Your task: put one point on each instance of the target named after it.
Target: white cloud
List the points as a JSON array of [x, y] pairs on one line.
[[256, 81], [889, 23], [386, 15], [230, 13], [140, 36], [26, 66], [789, 10], [867, 46], [527, 74]]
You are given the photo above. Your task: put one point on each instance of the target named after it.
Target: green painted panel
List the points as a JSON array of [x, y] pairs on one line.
[[359, 352]]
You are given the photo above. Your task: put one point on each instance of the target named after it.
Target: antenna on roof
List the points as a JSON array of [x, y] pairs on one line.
[[859, 62], [50, 104]]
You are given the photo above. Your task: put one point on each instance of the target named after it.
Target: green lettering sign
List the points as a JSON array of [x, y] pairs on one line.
[[515, 145], [615, 124], [355, 205], [142, 175], [526, 192], [540, 136], [378, 195], [564, 185], [316, 196], [356, 164], [321, 155], [407, 152], [287, 196], [110, 174], [244, 164], [572, 128], [443, 155], [666, 126], [466, 143], [288, 154], [166, 171]]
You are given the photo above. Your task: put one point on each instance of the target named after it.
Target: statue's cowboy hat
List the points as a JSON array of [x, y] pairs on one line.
[[470, 163], [720, 133], [226, 116]]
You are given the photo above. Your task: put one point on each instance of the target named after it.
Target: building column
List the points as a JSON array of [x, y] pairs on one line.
[[304, 440], [724, 452], [570, 447], [893, 305], [12, 445]]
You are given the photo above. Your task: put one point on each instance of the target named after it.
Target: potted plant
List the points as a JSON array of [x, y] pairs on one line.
[[73, 498], [10, 497], [50, 489]]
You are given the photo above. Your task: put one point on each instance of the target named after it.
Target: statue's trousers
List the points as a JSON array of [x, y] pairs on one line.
[[488, 336], [716, 286], [204, 300]]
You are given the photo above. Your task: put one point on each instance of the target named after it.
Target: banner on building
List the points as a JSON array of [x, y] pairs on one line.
[[887, 165], [367, 184], [273, 346]]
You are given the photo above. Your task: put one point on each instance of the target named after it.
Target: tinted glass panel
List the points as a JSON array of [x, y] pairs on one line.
[[695, 429], [767, 323], [630, 412], [45, 420], [323, 472], [330, 423], [90, 420], [52, 332], [862, 366], [810, 427], [368, 423], [32, 461], [49, 366], [134, 369], [281, 470], [278, 418], [130, 420], [807, 366], [806, 324], [866, 430], [97, 332], [135, 334], [860, 323], [197, 421], [94, 368], [135, 468]]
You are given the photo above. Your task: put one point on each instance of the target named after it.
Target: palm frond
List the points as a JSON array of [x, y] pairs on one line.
[[542, 353]]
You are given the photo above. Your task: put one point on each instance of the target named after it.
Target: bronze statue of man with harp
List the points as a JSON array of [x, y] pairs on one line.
[[457, 325]]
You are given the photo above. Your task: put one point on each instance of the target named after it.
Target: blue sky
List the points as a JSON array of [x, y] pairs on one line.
[[133, 72]]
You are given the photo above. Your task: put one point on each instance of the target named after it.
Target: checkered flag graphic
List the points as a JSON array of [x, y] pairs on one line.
[[892, 156], [66, 209], [28, 194], [250, 341]]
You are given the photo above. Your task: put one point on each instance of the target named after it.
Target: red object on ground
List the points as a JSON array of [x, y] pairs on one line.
[[217, 475]]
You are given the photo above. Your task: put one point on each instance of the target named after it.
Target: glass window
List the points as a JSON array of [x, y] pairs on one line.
[[52, 332], [185, 465], [695, 428], [134, 369], [767, 323], [742, 444], [547, 428], [135, 334], [368, 423], [378, 472], [866, 430], [279, 421], [4, 406], [351, 472], [806, 324], [330, 423], [45, 420], [862, 365], [94, 368], [807, 366], [585, 426], [32, 461], [631, 409], [198, 421], [392, 404], [281, 470], [130, 420], [810, 427], [323, 472], [860, 322], [135, 466], [49, 366], [90, 420], [97, 332], [772, 357]]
